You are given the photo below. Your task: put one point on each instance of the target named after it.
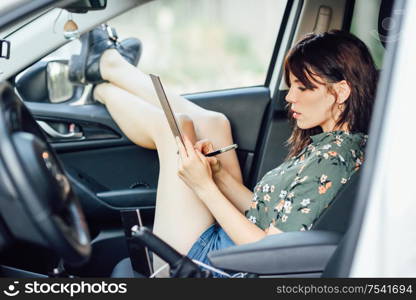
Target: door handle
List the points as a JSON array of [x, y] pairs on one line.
[[58, 135]]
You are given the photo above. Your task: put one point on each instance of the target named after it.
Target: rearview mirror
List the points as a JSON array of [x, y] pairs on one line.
[[83, 6]]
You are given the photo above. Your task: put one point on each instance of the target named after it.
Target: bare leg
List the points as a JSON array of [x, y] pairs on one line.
[[206, 123], [118, 71], [180, 216]]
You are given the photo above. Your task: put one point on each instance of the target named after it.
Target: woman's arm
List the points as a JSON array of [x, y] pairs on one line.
[[235, 224], [228, 189], [233, 190], [195, 170]]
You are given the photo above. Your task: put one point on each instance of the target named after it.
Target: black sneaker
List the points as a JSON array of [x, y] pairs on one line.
[[131, 50], [85, 68]]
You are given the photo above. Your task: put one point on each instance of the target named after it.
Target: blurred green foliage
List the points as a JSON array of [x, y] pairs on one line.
[[200, 45]]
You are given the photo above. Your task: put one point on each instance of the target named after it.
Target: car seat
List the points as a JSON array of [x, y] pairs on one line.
[[334, 219]]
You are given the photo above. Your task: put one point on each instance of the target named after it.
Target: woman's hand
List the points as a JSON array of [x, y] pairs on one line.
[[194, 168], [205, 146]]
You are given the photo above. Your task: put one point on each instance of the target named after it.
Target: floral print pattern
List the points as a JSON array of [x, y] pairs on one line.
[[293, 195]]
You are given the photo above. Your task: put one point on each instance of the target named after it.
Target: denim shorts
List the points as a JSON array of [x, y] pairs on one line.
[[212, 239]]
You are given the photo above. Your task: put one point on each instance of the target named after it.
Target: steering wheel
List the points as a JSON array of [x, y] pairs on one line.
[[37, 202]]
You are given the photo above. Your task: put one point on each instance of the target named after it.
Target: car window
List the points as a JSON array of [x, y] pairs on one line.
[[66, 51], [365, 26], [200, 45]]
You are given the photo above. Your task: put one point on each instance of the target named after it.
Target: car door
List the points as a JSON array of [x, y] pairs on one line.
[[108, 171]]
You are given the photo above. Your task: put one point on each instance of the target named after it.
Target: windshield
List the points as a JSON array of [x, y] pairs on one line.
[[10, 5]]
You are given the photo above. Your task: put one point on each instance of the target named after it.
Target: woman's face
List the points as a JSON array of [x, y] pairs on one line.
[[311, 108]]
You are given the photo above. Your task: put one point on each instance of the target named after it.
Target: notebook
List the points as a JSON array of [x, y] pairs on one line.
[[173, 123]]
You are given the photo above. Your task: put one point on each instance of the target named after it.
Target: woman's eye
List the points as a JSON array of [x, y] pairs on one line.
[[302, 88]]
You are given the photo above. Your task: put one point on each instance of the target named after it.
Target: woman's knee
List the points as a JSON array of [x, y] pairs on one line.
[[205, 126], [222, 121], [215, 122], [186, 126]]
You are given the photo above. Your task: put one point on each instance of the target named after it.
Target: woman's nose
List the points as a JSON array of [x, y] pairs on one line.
[[289, 96]]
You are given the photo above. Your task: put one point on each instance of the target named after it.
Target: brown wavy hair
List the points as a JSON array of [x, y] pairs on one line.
[[328, 58]]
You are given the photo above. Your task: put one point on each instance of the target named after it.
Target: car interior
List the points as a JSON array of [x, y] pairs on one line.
[[72, 182]]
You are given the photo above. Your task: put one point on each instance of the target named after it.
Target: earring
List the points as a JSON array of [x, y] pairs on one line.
[[341, 106]]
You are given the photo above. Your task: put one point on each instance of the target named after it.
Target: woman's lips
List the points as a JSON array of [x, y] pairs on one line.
[[295, 115]]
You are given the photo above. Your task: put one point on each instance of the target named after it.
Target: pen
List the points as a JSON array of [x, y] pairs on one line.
[[222, 150]]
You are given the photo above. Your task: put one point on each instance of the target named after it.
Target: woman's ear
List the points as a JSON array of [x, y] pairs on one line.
[[343, 90]]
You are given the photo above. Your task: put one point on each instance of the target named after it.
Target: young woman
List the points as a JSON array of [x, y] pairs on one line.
[[201, 203]]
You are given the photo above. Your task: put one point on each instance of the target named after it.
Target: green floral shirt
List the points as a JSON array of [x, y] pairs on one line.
[[292, 196]]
